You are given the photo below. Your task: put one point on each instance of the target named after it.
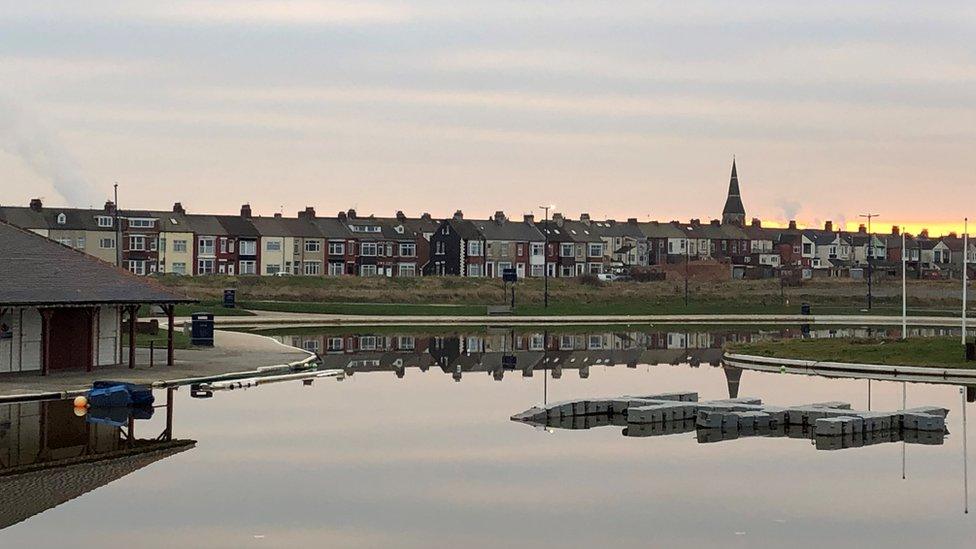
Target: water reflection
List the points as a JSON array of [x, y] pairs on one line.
[[49, 454]]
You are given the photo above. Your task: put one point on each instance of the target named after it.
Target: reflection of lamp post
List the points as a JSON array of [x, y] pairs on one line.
[[965, 463], [545, 256], [965, 274]]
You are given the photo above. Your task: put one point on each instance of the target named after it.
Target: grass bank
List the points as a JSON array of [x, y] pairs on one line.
[[940, 352], [568, 296]]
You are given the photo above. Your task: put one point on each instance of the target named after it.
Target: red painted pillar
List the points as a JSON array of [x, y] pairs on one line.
[[133, 314], [170, 313], [45, 340]]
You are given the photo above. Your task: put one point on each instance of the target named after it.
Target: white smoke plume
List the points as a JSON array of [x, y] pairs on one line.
[[790, 208], [24, 136]]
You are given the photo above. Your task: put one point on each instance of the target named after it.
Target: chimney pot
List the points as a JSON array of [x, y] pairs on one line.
[[401, 216], [862, 228], [36, 205], [246, 211], [829, 226], [756, 222], [895, 230], [459, 215], [793, 224], [277, 215], [632, 220], [499, 216], [178, 208]]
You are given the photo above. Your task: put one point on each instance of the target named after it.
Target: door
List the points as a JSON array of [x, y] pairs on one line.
[[71, 330], [520, 270]]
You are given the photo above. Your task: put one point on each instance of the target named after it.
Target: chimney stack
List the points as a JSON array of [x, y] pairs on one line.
[[401, 217], [342, 217], [756, 223], [35, 204], [308, 213], [529, 218], [793, 224], [924, 233], [557, 218], [631, 220], [246, 211], [459, 215], [351, 213], [177, 208], [695, 222], [499, 216], [895, 230], [109, 207], [585, 218], [716, 223], [425, 216], [829, 226], [277, 215], [862, 228]]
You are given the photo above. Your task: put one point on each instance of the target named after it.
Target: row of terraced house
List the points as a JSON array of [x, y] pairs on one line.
[[308, 244]]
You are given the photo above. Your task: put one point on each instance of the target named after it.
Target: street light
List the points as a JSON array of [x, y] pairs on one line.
[[870, 251], [545, 255]]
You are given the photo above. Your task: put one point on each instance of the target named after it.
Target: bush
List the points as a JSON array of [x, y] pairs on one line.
[[589, 279]]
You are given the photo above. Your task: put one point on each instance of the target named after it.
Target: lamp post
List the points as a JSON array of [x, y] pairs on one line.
[[904, 287], [118, 229], [870, 252], [545, 256]]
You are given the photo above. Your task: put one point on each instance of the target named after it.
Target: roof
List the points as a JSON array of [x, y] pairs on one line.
[[238, 226], [574, 231], [506, 229], [23, 495], [612, 229], [75, 219], [40, 271], [733, 204], [655, 229], [465, 229]]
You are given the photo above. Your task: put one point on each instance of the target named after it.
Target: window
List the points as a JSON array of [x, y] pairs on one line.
[[272, 245], [367, 249], [367, 270], [248, 247], [538, 270], [407, 269], [475, 270], [537, 342], [566, 250], [311, 345], [248, 267], [334, 344], [312, 268], [365, 228], [65, 241], [313, 246], [142, 223], [62, 219], [807, 249], [205, 266], [179, 268], [595, 342], [502, 265], [538, 248], [137, 267], [80, 243], [595, 249], [273, 268], [476, 247], [205, 245], [106, 243], [223, 245], [103, 220], [407, 343], [137, 242], [367, 343], [179, 246], [337, 248], [408, 249], [440, 248], [336, 269]]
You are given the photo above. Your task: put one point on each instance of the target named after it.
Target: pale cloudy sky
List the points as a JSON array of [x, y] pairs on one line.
[[620, 109]]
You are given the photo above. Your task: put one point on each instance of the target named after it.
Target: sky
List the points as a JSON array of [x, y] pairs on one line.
[[624, 109]]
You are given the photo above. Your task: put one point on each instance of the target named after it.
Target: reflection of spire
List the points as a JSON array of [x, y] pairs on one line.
[[732, 377]]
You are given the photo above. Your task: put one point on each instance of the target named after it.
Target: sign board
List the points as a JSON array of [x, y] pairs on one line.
[[509, 275], [230, 298]]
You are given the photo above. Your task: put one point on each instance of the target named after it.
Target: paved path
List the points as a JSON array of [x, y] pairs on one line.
[[268, 319], [232, 352]]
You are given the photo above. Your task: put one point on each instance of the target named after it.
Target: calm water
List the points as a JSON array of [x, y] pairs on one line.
[[400, 454]]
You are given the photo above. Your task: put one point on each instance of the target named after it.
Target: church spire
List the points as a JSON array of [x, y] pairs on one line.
[[734, 212]]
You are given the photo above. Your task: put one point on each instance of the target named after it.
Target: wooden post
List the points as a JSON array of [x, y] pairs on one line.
[[133, 314], [170, 313], [45, 340], [169, 413]]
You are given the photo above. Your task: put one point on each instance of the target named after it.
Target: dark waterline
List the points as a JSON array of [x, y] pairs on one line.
[[411, 458]]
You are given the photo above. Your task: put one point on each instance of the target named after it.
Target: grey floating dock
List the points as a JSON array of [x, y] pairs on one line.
[[834, 425]]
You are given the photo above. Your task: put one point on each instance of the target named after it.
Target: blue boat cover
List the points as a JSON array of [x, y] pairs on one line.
[[139, 395]]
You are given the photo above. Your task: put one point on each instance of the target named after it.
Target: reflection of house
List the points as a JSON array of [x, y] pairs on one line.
[[63, 309], [49, 456]]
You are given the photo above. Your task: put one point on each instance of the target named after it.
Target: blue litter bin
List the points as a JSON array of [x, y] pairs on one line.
[[230, 298], [202, 329]]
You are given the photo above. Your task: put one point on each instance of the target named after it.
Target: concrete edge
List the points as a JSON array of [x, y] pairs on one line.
[[852, 367]]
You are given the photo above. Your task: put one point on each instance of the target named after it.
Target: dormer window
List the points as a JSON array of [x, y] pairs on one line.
[[62, 219], [103, 221], [399, 229]]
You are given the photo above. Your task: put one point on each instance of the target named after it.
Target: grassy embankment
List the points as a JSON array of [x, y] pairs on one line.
[[428, 296], [180, 340], [940, 352]]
